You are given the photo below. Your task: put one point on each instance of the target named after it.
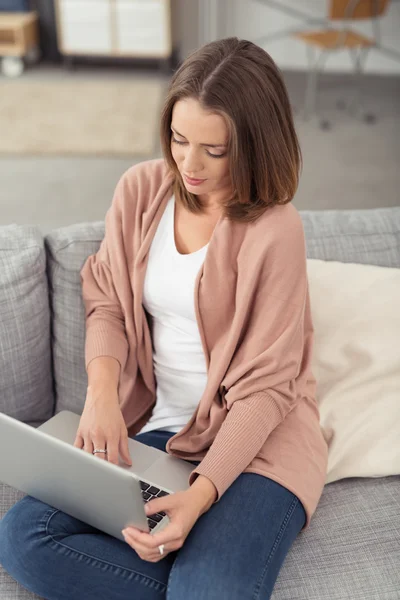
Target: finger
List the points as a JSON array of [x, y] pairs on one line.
[[172, 536], [144, 552], [142, 542], [156, 505], [99, 442], [124, 448], [87, 444], [79, 442], [112, 451], [168, 536], [131, 539]]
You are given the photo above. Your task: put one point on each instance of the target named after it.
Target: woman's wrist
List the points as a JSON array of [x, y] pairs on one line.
[[103, 370], [204, 492]]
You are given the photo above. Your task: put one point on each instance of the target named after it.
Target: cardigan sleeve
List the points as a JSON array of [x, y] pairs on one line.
[[105, 323], [270, 365]]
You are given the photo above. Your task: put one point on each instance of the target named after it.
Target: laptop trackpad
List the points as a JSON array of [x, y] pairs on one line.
[[169, 473], [142, 456]]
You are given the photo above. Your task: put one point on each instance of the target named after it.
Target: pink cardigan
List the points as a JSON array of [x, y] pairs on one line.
[[258, 412]]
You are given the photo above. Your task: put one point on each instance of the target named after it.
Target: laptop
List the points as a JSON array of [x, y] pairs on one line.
[[44, 463]]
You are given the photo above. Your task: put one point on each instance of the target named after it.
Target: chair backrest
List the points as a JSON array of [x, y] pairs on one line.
[[357, 9]]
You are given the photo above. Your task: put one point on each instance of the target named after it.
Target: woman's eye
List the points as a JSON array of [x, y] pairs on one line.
[[177, 141], [209, 153]]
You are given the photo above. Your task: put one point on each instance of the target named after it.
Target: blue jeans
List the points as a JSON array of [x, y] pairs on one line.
[[234, 551]]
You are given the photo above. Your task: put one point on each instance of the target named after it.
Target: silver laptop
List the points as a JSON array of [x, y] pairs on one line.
[[44, 463]]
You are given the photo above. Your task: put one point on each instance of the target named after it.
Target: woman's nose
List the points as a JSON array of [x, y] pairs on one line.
[[192, 164]]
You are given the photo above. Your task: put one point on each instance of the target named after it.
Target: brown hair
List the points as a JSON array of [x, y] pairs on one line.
[[239, 81]]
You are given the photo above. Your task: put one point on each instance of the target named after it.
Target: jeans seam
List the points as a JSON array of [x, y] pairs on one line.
[[278, 538], [169, 580], [138, 575], [45, 519]]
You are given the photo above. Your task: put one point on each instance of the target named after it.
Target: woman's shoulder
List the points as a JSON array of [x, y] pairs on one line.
[[278, 224], [146, 175], [141, 183], [281, 213], [147, 171]]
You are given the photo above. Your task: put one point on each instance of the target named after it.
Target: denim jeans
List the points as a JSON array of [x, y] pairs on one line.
[[234, 551]]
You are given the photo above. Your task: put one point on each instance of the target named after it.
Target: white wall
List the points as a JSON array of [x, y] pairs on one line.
[[196, 22], [185, 26], [251, 19]]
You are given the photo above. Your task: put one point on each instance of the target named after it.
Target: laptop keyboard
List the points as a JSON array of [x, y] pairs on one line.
[[148, 493]]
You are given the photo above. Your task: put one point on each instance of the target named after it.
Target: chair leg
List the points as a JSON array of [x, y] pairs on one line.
[[356, 103], [310, 100]]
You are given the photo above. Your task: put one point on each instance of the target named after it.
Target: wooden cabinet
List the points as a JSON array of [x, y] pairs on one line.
[[84, 26], [19, 41], [140, 28]]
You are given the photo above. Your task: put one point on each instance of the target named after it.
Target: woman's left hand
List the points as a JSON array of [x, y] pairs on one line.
[[183, 510]]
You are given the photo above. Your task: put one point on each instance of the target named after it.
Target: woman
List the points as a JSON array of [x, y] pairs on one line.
[[198, 342]]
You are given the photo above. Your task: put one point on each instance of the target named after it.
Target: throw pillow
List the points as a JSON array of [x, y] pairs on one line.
[[356, 362]]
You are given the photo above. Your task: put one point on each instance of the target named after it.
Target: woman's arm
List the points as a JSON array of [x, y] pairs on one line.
[[205, 492], [272, 342], [105, 320], [103, 369]]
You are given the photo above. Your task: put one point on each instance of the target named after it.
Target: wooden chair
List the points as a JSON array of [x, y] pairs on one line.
[[320, 44]]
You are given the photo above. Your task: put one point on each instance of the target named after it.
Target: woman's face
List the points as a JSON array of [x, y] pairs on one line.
[[199, 146]]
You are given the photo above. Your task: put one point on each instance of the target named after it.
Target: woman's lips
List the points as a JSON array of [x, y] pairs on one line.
[[193, 181]]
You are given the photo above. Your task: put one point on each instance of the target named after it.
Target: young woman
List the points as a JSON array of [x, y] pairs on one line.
[[199, 342]]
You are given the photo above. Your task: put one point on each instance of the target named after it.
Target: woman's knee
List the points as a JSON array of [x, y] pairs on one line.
[[20, 527], [202, 579]]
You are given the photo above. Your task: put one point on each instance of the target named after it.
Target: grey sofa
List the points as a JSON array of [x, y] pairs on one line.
[[351, 550]]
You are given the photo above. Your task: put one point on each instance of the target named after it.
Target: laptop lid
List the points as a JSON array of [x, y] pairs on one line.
[[51, 469]]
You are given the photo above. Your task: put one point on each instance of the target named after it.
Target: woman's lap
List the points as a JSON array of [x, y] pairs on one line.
[[235, 550]]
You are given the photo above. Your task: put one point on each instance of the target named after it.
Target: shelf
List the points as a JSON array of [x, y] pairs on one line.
[[126, 28], [18, 33]]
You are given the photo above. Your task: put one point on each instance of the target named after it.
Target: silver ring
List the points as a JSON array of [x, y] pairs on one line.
[[99, 450], [161, 548]]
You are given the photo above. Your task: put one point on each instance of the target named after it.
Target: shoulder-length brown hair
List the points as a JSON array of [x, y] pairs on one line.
[[239, 81]]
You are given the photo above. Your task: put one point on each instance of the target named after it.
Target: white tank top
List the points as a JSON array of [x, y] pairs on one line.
[[178, 358]]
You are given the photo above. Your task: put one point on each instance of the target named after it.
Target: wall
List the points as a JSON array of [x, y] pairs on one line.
[[186, 28], [252, 19], [187, 32]]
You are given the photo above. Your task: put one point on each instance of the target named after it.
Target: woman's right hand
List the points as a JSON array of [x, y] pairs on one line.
[[103, 426]]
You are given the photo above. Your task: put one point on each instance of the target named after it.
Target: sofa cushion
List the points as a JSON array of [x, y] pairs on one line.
[[67, 250], [9, 588], [9, 495], [369, 237], [356, 362], [26, 384], [351, 549]]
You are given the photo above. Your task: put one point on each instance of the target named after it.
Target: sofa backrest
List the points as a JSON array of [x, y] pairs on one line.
[[369, 236], [67, 249], [26, 384]]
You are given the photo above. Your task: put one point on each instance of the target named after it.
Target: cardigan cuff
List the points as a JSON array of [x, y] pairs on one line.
[[104, 340], [241, 436]]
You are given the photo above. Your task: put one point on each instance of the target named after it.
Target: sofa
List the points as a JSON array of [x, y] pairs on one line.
[[351, 551]]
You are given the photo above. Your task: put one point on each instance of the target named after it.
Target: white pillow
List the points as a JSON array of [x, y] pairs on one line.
[[356, 361]]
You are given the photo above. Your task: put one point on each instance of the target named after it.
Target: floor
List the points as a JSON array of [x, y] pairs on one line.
[[352, 165]]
